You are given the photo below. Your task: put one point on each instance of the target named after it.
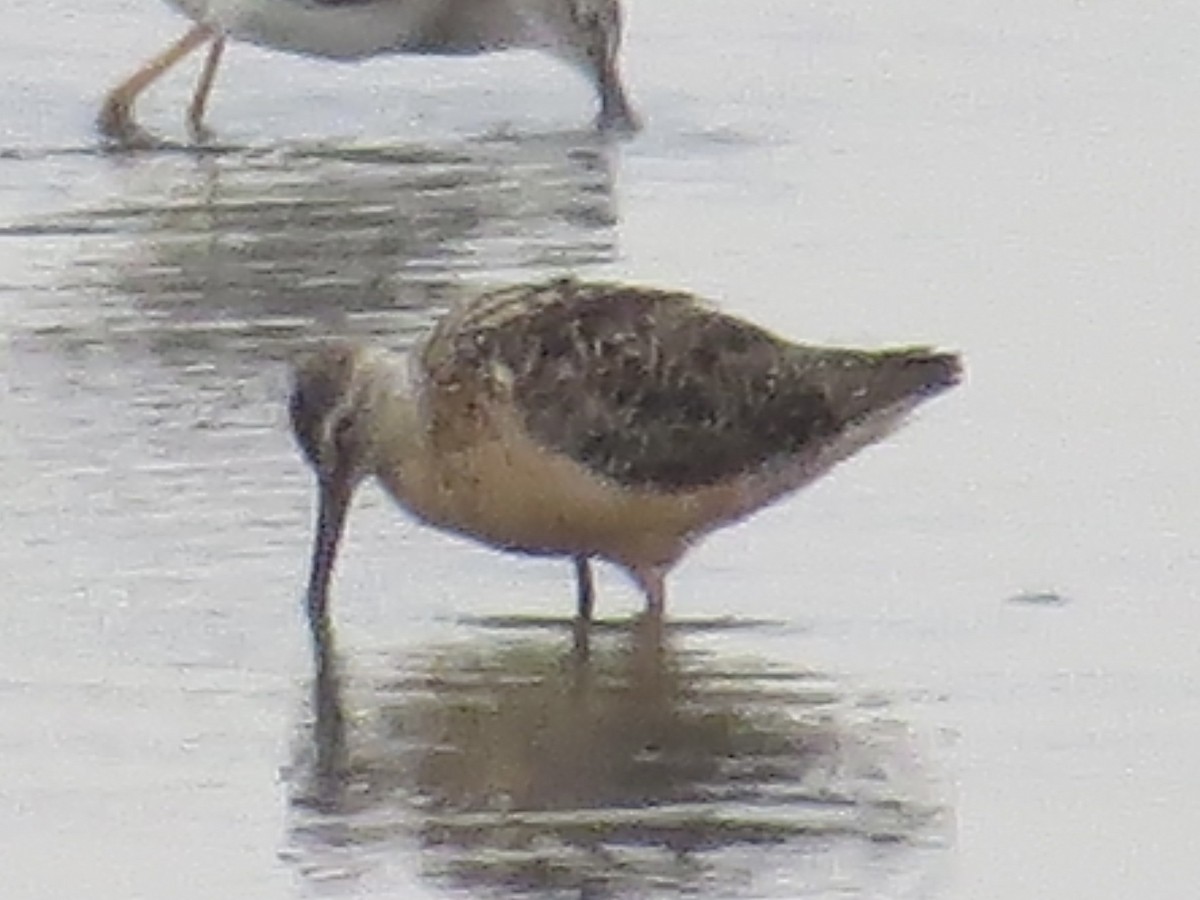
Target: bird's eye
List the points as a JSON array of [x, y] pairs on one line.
[[342, 433]]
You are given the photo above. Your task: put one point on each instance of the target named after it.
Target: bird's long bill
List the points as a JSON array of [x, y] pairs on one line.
[[616, 114], [332, 505]]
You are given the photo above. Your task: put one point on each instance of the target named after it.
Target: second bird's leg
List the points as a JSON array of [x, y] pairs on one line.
[[116, 115], [203, 89]]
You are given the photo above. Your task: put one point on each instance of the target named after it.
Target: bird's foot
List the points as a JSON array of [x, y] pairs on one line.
[[201, 134], [116, 123]]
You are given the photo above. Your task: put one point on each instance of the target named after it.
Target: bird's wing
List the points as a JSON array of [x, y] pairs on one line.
[[650, 389]]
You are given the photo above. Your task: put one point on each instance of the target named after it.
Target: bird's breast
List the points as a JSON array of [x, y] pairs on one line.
[[504, 489]]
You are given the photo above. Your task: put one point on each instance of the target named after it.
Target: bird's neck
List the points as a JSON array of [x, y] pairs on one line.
[[398, 432]]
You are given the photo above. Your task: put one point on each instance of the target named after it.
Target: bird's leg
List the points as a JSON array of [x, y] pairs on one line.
[[587, 589], [116, 115], [203, 89], [648, 629], [651, 579], [586, 601]]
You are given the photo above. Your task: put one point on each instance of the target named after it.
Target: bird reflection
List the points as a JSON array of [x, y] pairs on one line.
[[237, 254], [510, 761]]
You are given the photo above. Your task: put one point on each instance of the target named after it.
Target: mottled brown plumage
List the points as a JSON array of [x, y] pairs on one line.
[[577, 419], [654, 390]]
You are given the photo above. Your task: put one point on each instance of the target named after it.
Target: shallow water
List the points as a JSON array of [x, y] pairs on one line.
[[963, 666]]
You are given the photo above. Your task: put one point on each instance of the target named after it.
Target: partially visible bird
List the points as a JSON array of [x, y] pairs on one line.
[[586, 34], [590, 421]]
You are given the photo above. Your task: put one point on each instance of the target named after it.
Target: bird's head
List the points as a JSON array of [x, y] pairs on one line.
[[330, 411], [589, 37], [332, 419]]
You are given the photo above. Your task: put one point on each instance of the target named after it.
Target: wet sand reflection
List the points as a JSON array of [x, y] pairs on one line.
[[508, 762]]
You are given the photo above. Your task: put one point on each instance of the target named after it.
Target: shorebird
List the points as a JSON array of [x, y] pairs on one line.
[[590, 420], [586, 34]]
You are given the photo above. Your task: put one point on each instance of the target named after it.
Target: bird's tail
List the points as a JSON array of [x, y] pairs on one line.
[[860, 385]]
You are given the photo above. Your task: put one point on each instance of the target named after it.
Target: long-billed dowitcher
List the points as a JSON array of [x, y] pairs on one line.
[[586, 34], [591, 420]]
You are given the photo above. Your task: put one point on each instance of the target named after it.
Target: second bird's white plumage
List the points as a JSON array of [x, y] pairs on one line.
[[585, 34]]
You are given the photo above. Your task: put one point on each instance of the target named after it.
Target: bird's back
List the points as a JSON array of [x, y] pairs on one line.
[[654, 390]]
